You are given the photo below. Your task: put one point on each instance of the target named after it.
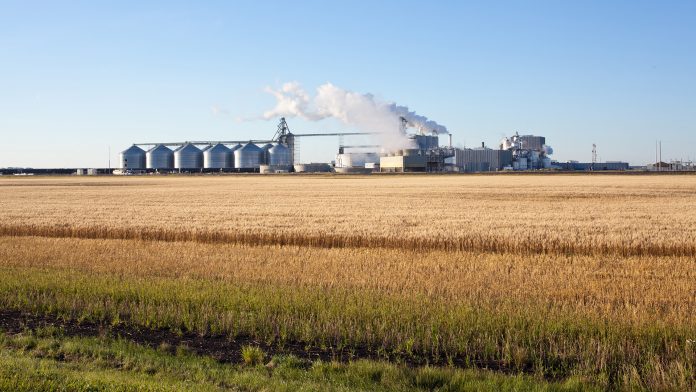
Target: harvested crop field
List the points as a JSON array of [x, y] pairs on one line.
[[583, 277]]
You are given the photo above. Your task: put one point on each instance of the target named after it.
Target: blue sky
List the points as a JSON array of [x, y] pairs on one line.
[[79, 77]]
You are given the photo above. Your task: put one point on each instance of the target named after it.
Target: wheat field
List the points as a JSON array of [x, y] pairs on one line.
[[648, 215], [563, 275]]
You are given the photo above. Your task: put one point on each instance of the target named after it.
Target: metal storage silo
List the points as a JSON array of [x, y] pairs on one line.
[[279, 155], [217, 157], [232, 150], [248, 157], [264, 153], [188, 156], [159, 157], [132, 158]]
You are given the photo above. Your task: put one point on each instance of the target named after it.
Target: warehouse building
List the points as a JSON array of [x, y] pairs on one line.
[[589, 166], [480, 159]]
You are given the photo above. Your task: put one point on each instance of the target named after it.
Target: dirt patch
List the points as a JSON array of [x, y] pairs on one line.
[[221, 348], [228, 350]]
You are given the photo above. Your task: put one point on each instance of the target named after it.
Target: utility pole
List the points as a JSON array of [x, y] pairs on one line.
[[660, 155]]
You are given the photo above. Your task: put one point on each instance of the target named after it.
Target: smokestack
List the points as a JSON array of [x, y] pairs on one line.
[[450, 140], [483, 145]]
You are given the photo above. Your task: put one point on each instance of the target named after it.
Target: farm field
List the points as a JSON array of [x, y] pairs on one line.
[[561, 282]]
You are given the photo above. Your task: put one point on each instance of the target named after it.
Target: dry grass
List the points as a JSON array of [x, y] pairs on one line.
[[588, 275]]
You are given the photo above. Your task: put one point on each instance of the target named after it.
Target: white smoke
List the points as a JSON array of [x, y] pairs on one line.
[[363, 111]]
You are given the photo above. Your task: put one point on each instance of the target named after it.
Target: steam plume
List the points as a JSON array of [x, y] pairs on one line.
[[363, 111]]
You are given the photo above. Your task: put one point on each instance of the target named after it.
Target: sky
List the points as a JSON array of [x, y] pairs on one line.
[[82, 80]]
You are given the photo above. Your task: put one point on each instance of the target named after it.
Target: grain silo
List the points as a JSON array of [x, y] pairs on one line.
[[264, 153], [217, 157], [132, 158], [232, 150], [188, 156], [279, 155], [248, 157], [159, 157]]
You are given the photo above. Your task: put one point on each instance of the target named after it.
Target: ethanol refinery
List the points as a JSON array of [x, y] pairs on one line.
[[419, 151]]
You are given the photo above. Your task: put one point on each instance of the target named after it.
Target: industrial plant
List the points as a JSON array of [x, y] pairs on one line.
[[419, 151]]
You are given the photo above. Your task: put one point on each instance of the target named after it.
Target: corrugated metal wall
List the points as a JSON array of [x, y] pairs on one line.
[[482, 159]]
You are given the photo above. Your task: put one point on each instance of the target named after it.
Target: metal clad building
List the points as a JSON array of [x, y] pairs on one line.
[[592, 166], [426, 142], [402, 163], [532, 142], [481, 159]]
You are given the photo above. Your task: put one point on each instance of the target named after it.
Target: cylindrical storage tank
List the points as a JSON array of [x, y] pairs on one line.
[[217, 157], [248, 157], [159, 157], [264, 153], [279, 155], [132, 158], [188, 156], [232, 150]]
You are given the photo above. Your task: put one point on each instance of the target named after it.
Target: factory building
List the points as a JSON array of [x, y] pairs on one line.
[[355, 159], [424, 154], [425, 142], [672, 166], [529, 152], [418, 153], [589, 166], [481, 159], [409, 160]]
